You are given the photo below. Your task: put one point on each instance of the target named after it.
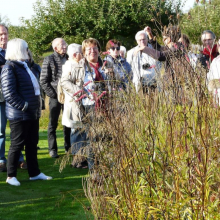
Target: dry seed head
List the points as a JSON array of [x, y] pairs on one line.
[[152, 19], [189, 17], [153, 7], [171, 16], [158, 14], [166, 12]]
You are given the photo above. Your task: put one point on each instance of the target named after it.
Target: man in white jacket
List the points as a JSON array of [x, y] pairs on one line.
[[144, 67]]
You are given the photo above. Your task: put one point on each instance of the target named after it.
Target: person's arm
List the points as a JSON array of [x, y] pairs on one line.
[[9, 88], [68, 79], [46, 78]]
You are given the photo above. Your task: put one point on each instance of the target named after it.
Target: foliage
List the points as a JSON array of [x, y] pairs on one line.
[[204, 16], [101, 19], [157, 155]]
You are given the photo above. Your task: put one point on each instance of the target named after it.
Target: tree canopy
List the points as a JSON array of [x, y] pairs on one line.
[[203, 16], [76, 20]]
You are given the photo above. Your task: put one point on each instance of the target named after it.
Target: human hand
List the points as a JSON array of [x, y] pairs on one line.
[[138, 49], [149, 32]]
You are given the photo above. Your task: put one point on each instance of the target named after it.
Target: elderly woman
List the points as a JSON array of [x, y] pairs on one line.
[[123, 52], [94, 72], [120, 67], [72, 80], [22, 95], [94, 81]]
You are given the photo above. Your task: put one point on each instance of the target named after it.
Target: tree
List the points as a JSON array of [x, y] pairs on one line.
[[76, 20], [204, 16]]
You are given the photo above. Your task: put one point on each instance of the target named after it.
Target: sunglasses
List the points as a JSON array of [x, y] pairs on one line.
[[113, 48]]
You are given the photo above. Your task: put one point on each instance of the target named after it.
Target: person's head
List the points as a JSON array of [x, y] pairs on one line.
[[122, 51], [171, 34], [208, 38], [75, 52], [141, 38], [59, 45], [113, 47], [17, 49], [91, 49], [3, 36], [185, 41]]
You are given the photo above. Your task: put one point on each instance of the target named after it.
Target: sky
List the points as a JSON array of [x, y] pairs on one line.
[[15, 9]]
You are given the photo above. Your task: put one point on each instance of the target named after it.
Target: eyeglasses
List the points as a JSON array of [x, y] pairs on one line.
[[208, 39], [91, 48], [113, 48]]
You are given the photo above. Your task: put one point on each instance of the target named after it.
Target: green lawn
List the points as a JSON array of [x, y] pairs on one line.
[[60, 198]]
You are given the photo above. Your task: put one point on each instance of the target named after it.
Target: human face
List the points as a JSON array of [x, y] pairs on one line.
[[92, 53], [122, 54], [61, 47], [142, 40], [114, 51], [207, 40], [78, 57], [3, 37]]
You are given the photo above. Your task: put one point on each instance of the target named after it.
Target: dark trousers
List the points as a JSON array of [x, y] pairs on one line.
[[23, 133], [55, 107]]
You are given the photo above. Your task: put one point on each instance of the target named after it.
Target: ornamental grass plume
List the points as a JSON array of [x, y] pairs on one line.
[[157, 154]]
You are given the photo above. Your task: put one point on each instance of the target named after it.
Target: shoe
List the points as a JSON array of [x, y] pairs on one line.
[[13, 181], [22, 165], [53, 154], [3, 167], [41, 176]]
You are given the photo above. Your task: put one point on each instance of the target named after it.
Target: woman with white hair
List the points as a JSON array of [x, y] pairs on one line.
[[22, 95], [122, 52], [72, 80]]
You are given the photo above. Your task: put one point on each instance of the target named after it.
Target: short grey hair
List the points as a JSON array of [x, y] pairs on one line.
[[74, 48], [139, 33], [17, 50], [2, 25], [122, 48], [208, 32], [56, 41]]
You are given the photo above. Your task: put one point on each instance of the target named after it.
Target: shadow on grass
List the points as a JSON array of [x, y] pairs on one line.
[[60, 198]]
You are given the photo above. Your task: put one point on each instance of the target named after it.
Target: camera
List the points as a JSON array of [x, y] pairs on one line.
[[145, 66]]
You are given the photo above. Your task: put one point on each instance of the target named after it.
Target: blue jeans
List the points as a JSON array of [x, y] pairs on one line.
[[3, 122]]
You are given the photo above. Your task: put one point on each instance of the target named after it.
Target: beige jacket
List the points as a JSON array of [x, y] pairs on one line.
[[72, 81]]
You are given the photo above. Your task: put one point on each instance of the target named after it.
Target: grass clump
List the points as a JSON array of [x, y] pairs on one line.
[[157, 154]]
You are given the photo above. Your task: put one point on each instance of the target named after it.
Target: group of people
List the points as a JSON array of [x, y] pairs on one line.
[[84, 78]]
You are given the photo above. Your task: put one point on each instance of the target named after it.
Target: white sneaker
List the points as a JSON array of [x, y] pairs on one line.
[[13, 181], [41, 176]]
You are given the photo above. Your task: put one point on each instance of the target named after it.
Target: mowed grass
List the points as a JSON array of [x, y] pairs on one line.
[[60, 198]]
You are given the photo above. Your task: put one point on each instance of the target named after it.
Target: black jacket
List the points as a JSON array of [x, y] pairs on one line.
[[50, 74], [17, 89]]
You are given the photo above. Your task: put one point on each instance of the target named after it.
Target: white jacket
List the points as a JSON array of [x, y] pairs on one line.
[[72, 81], [213, 79], [136, 62]]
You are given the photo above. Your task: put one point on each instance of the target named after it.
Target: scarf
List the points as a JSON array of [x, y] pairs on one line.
[[98, 76], [33, 78], [211, 53]]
